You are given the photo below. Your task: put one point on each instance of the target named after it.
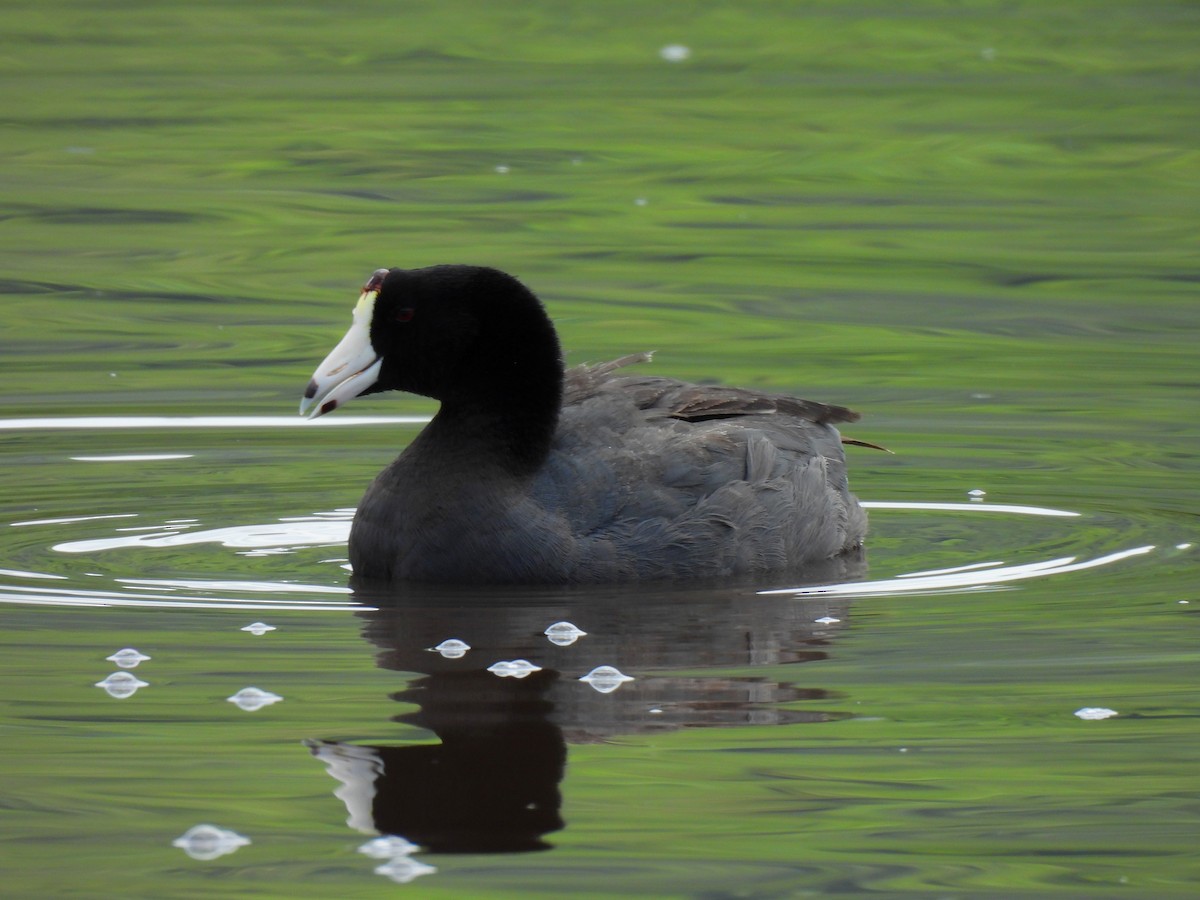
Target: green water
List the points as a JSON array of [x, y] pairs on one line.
[[974, 222]]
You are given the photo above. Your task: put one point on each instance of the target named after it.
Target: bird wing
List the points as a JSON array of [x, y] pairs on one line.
[[666, 397]]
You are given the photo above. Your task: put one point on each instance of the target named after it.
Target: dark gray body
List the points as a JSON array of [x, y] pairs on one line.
[[647, 478]]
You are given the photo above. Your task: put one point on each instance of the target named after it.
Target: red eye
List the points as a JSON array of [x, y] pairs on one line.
[[403, 315]]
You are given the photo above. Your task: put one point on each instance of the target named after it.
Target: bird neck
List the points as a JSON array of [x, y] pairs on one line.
[[506, 423]]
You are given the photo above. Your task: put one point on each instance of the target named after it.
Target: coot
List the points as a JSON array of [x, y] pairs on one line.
[[529, 474]]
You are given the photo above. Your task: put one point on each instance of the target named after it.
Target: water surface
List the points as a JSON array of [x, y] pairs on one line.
[[975, 223]]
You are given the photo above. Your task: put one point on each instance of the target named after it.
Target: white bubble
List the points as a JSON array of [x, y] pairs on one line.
[[251, 699], [1095, 712], [514, 668], [452, 648], [564, 633], [404, 869], [605, 679], [127, 658], [388, 847], [208, 842], [120, 685]]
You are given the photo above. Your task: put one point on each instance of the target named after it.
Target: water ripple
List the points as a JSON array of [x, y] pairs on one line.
[[285, 535], [963, 577], [34, 596], [332, 529], [972, 507], [84, 423]]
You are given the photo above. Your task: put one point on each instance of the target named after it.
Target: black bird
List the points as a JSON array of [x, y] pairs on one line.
[[529, 474]]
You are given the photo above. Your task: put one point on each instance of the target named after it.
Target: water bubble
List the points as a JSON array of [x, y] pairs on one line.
[[1095, 712], [127, 658], [388, 847], [675, 52], [400, 867], [208, 841], [259, 628], [564, 634], [452, 648], [120, 685], [251, 699], [404, 869], [605, 679], [515, 668]]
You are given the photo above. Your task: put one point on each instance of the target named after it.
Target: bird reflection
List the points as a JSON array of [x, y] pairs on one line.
[[491, 783]]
